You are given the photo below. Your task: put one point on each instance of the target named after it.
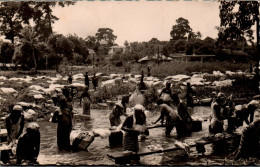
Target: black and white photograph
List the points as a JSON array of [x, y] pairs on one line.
[[129, 82]]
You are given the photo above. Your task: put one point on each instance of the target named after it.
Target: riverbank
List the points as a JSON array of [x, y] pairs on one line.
[[35, 91]]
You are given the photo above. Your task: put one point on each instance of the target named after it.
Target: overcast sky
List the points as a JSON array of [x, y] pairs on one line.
[[136, 21]]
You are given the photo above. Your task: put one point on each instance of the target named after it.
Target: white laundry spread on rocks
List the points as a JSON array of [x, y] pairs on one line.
[[108, 82], [8, 90], [218, 73], [178, 77], [76, 84], [38, 96], [3, 78], [36, 87], [78, 76], [230, 73], [224, 83], [103, 133], [29, 114]]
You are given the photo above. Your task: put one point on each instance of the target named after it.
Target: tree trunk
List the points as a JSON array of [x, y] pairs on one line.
[[35, 63], [258, 51]]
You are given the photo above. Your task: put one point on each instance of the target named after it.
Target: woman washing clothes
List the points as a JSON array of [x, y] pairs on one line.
[[133, 126]]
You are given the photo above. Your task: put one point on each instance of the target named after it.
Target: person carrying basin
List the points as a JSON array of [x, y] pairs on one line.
[[172, 117]]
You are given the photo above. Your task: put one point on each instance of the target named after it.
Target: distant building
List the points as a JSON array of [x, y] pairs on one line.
[[186, 58], [116, 50], [154, 58]]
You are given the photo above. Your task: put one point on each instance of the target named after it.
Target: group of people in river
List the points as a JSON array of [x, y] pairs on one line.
[[171, 108]]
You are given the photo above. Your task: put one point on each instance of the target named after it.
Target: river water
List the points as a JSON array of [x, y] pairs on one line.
[[98, 150]]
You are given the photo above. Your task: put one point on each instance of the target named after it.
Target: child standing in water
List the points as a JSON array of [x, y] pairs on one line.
[[86, 101]]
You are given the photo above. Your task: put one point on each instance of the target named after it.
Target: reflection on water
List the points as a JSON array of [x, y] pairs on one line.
[[98, 150]]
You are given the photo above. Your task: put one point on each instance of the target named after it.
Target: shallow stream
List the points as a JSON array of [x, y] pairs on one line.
[[98, 150]]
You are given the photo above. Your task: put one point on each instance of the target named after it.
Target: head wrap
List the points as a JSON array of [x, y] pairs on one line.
[[254, 102], [139, 107], [33, 126], [17, 108]]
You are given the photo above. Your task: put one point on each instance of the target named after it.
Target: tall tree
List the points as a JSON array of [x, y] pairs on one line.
[[44, 18], [238, 24], [62, 46], [12, 16], [80, 47], [181, 30], [7, 51], [107, 35], [91, 41], [30, 38], [237, 18]]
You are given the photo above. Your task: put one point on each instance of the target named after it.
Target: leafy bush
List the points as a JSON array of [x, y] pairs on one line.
[[150, 96], [110, 92]]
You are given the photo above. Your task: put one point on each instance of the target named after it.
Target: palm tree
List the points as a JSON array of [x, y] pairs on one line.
[[29, 36]]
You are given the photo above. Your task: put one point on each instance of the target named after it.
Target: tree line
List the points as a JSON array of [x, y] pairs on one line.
[[47, 49]]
